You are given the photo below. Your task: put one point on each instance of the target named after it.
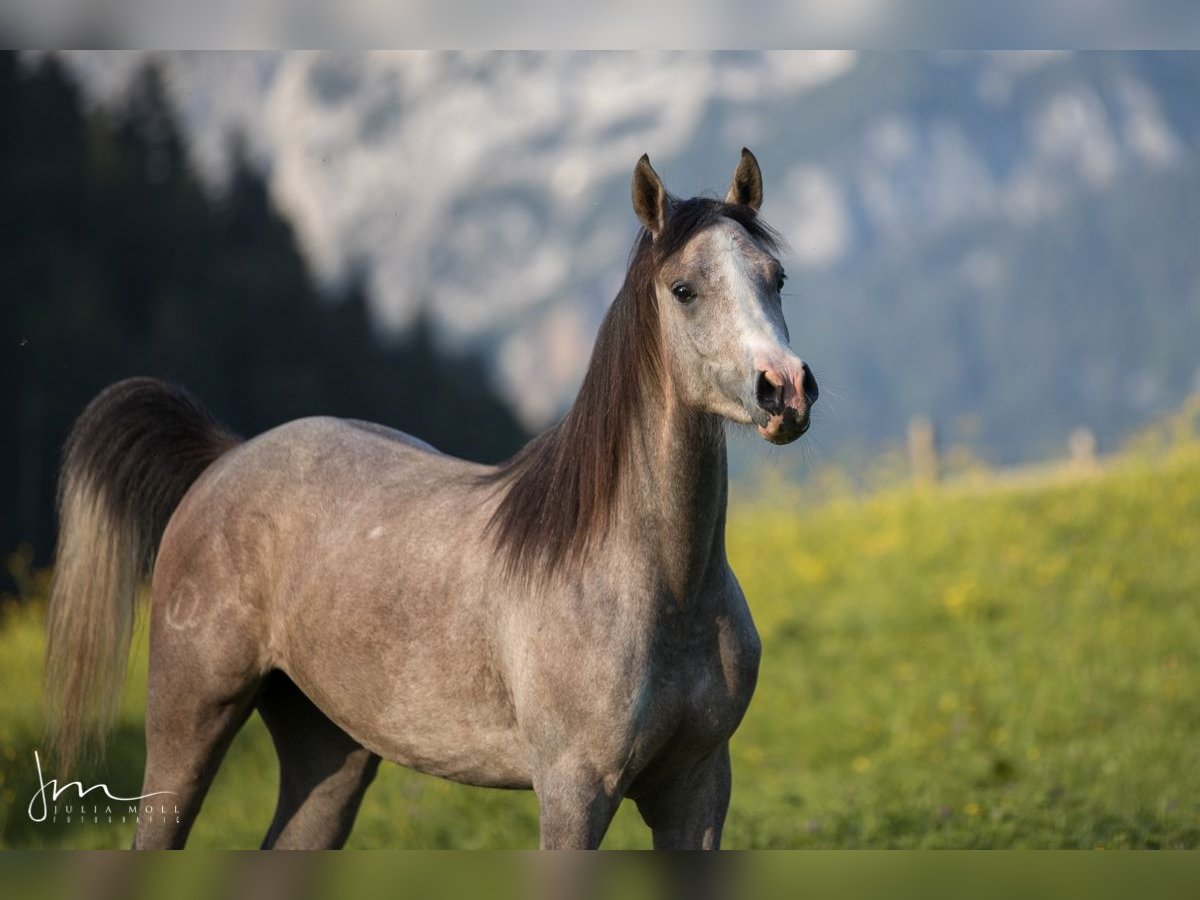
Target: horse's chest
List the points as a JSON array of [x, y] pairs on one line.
[[712, 679]]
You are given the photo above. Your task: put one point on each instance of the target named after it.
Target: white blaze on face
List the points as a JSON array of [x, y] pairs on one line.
[[760, 333]]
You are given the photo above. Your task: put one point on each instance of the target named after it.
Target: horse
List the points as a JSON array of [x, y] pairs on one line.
[[566, 621]]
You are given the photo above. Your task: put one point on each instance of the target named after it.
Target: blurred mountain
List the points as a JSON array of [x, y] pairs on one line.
[[1005, 242]]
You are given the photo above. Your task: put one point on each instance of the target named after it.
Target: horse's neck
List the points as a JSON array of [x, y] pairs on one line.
[[677, 493]]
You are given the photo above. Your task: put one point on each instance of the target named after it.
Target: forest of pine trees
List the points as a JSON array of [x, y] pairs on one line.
[[117, 260]]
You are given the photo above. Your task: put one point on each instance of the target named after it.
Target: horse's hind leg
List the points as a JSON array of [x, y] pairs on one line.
[[203, 681], [323, 772]]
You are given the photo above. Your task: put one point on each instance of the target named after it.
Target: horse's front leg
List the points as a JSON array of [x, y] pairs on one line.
[[575, 806], [686, 809]]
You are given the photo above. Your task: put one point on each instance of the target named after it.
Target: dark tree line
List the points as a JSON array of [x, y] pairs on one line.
[[116, 261]]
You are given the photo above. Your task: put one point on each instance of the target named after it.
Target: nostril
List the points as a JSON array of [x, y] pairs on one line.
[[811, 393], [768, 395]]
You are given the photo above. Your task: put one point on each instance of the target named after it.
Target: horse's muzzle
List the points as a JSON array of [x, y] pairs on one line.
[[785, 428], [785, 394]]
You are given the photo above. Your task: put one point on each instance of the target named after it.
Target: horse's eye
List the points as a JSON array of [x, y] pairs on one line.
[[779, 283], [683, 292]]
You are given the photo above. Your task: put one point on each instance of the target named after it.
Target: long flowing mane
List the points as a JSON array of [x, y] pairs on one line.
[[561, 488]]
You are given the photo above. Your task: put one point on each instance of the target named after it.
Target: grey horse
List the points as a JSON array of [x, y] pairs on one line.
[[566, 621]]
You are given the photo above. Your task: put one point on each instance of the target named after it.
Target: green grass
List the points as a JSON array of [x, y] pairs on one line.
[[1010, 667]]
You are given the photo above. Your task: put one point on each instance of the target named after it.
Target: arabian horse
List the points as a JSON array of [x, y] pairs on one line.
[[565, 622]]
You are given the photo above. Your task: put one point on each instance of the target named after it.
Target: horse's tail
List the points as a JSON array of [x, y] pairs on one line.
[[128, 461]]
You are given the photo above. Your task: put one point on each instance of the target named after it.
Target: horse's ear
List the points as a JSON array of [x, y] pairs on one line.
[[746, 189], [649, 196]]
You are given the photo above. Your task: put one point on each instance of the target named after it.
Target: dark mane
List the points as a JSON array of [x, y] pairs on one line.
[[560, 489]]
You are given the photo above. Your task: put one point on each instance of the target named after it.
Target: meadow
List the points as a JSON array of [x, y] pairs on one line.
[[981, 665]]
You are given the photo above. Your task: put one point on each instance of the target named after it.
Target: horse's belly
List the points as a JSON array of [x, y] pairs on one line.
[[455, 723], [424, 725], [485, 759], [411, 680]]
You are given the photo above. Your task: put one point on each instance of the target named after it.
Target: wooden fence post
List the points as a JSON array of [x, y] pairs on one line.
[[1082, 445], [922, 451]]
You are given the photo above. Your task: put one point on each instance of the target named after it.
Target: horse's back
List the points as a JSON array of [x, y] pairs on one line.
[[339, 444], [321, 458], [320, 492]]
